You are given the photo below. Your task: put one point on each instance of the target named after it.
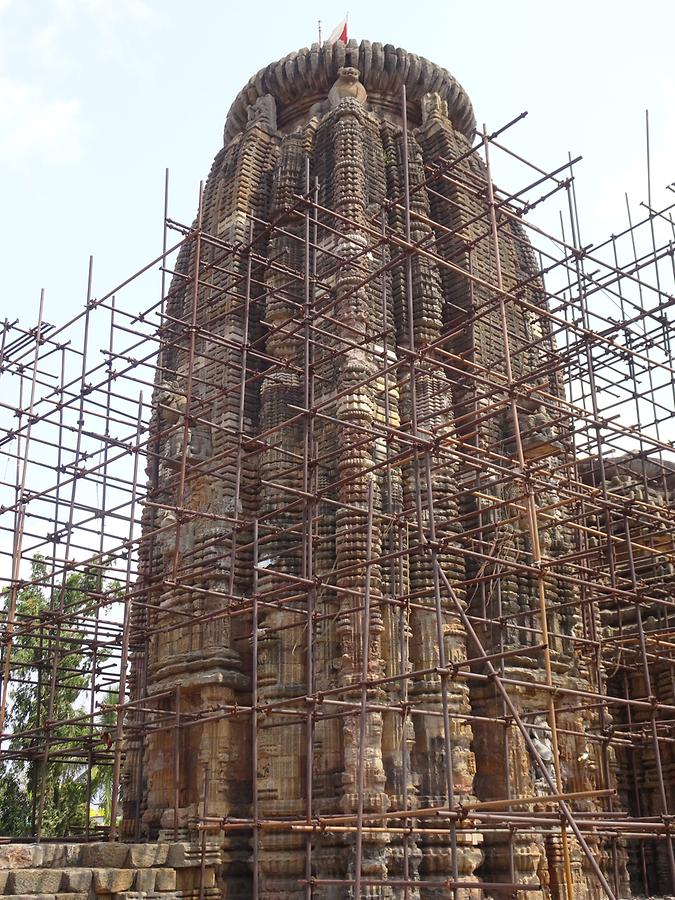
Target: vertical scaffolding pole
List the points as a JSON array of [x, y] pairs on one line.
[[533, 528], [121, 690]]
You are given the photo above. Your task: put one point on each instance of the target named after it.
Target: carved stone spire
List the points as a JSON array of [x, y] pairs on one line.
[[362, 500]]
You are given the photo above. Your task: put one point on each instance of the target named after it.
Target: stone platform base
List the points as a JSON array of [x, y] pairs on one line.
[[107, 871]]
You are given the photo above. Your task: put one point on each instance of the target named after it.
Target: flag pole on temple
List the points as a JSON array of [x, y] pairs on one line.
[[320, 33]]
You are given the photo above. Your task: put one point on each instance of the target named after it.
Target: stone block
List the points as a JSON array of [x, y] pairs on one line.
[[20, 856], [144, 880], [103, 855], [4, 875], [76, 880], [211, 893], [34, 881], [142, 856], [28, 897], [75, 895], [112, 880], [60, 856], [188, 879], [165, 880], [183, 854]]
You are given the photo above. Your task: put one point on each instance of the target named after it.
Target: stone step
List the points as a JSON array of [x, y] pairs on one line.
[[57, 896], [112, 881], [140, 895], [29, 881], [34, 881], [47, 881], [103, 880], [100, 854], [96, 871]]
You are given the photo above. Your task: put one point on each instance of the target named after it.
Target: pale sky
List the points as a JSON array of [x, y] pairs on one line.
[[97, 97]]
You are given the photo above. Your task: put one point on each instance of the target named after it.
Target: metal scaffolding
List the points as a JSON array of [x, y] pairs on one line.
[[79, 400]]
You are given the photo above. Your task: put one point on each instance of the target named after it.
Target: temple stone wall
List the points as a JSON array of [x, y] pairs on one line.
[[644, 490], [333, 117]]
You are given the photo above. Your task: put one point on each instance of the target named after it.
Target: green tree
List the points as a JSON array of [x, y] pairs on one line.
[[52, 644], [102, 776]]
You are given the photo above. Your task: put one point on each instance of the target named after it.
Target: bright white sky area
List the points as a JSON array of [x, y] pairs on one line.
[[97, 97]]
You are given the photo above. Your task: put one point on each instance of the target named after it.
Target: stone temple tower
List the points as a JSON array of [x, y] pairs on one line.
[[314, 512]]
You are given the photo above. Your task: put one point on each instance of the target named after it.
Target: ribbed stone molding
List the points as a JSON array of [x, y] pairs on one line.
[[304, 77]]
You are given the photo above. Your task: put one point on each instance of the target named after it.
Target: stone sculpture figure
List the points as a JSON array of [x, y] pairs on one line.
[[541, 739], [347, 85], [264, 113]]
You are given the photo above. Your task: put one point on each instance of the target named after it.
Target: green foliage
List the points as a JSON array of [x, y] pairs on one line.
[[37, 635]]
